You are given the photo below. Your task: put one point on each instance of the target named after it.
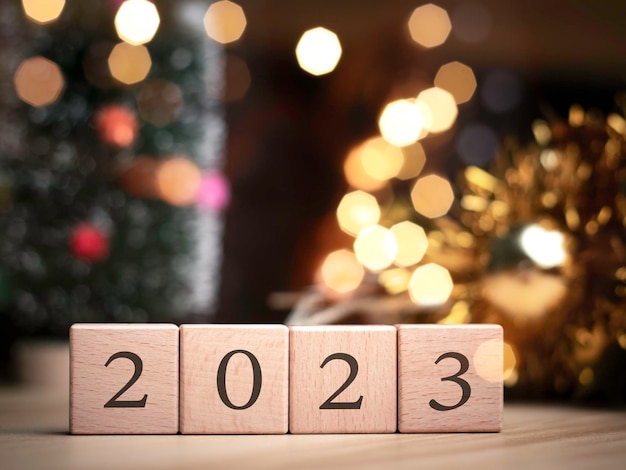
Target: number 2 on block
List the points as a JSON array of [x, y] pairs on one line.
[[456, 378], [138, 363], [354, 370]]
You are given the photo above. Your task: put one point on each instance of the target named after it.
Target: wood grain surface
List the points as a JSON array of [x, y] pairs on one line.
[[34, 436], [204, 348], [93, 384], [316, 374]]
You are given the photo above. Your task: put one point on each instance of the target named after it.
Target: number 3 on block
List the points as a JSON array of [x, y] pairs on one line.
[[449, 378]]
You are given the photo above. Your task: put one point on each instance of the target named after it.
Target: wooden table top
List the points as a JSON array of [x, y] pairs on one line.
[[34, 424]]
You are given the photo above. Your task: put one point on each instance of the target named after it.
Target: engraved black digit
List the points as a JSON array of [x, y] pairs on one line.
[[257, 379], [456, 378], [354, 370], [114, 402]]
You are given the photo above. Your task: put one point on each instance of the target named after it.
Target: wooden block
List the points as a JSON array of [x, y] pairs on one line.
[[123, 379], [342, 379], [449, 378], [234, 379]]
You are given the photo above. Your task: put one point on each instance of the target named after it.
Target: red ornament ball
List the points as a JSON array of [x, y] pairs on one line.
[[89, 243], [116, 125]]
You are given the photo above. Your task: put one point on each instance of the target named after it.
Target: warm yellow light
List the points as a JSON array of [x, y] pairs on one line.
[[401, 123], [129, 64], [178, 180], [412, 243], [509, 361], [225, 21], [576, 116], [457, 79], [430, 285], [318, 51], [542, 132], [459, 314], [488, 360], [381, 160], [375, 247], [432, 196], [414, 161], [159, 102], [442, 108], [395, 281], [38, 81], [43, 11], [356, 211], [429, 25], [356, 175], [342, 272], [137, 21], [544, 247]]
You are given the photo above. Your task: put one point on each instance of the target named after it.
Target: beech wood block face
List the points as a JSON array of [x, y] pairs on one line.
[[234, 379], [450, 378], [342, 379], [123, 379]]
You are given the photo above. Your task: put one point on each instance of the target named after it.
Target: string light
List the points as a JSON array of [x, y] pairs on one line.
[[442, 107], [38, 81], [412, 243], [129, 64], [544, 247], [318, 51], [43, 11], [341, 271], [430, 285], [356, 175], [356, 211], [401, 123], [178, 180], [458, 79], [380, 159], [395, 281], [137, 21], [375, 247], [225, 21], [432, 196], [429, 25], [414, 161]]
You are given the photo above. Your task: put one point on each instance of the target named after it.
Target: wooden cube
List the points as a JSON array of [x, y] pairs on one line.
[[234, 379], [342, 379], [449, 378], [123, 379]]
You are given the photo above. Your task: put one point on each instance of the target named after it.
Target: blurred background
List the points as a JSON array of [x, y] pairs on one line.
[[320, 162]]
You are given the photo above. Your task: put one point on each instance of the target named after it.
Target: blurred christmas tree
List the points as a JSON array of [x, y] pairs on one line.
[[111, 140]]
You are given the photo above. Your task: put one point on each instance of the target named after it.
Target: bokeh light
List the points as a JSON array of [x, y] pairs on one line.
[[395, 281], [356, 211], [318, 51], [213, 192], [401, 123], [380, 159], [129, 64], [43, 11], [236, 78], [442, 107], [341, 271], [412, 243], [501, 91], [138, 177], [375, 247], [458, 79], [225, 22], [430, 285], [414, 161], [355, 173], [487, 360], [542, 132], [178, 180], [544, 247], [432, 196], [509, 371], [477, 144], [116, 125], [38, 81], [137, 21], [160, 102], [471, 22], [429, 25]]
